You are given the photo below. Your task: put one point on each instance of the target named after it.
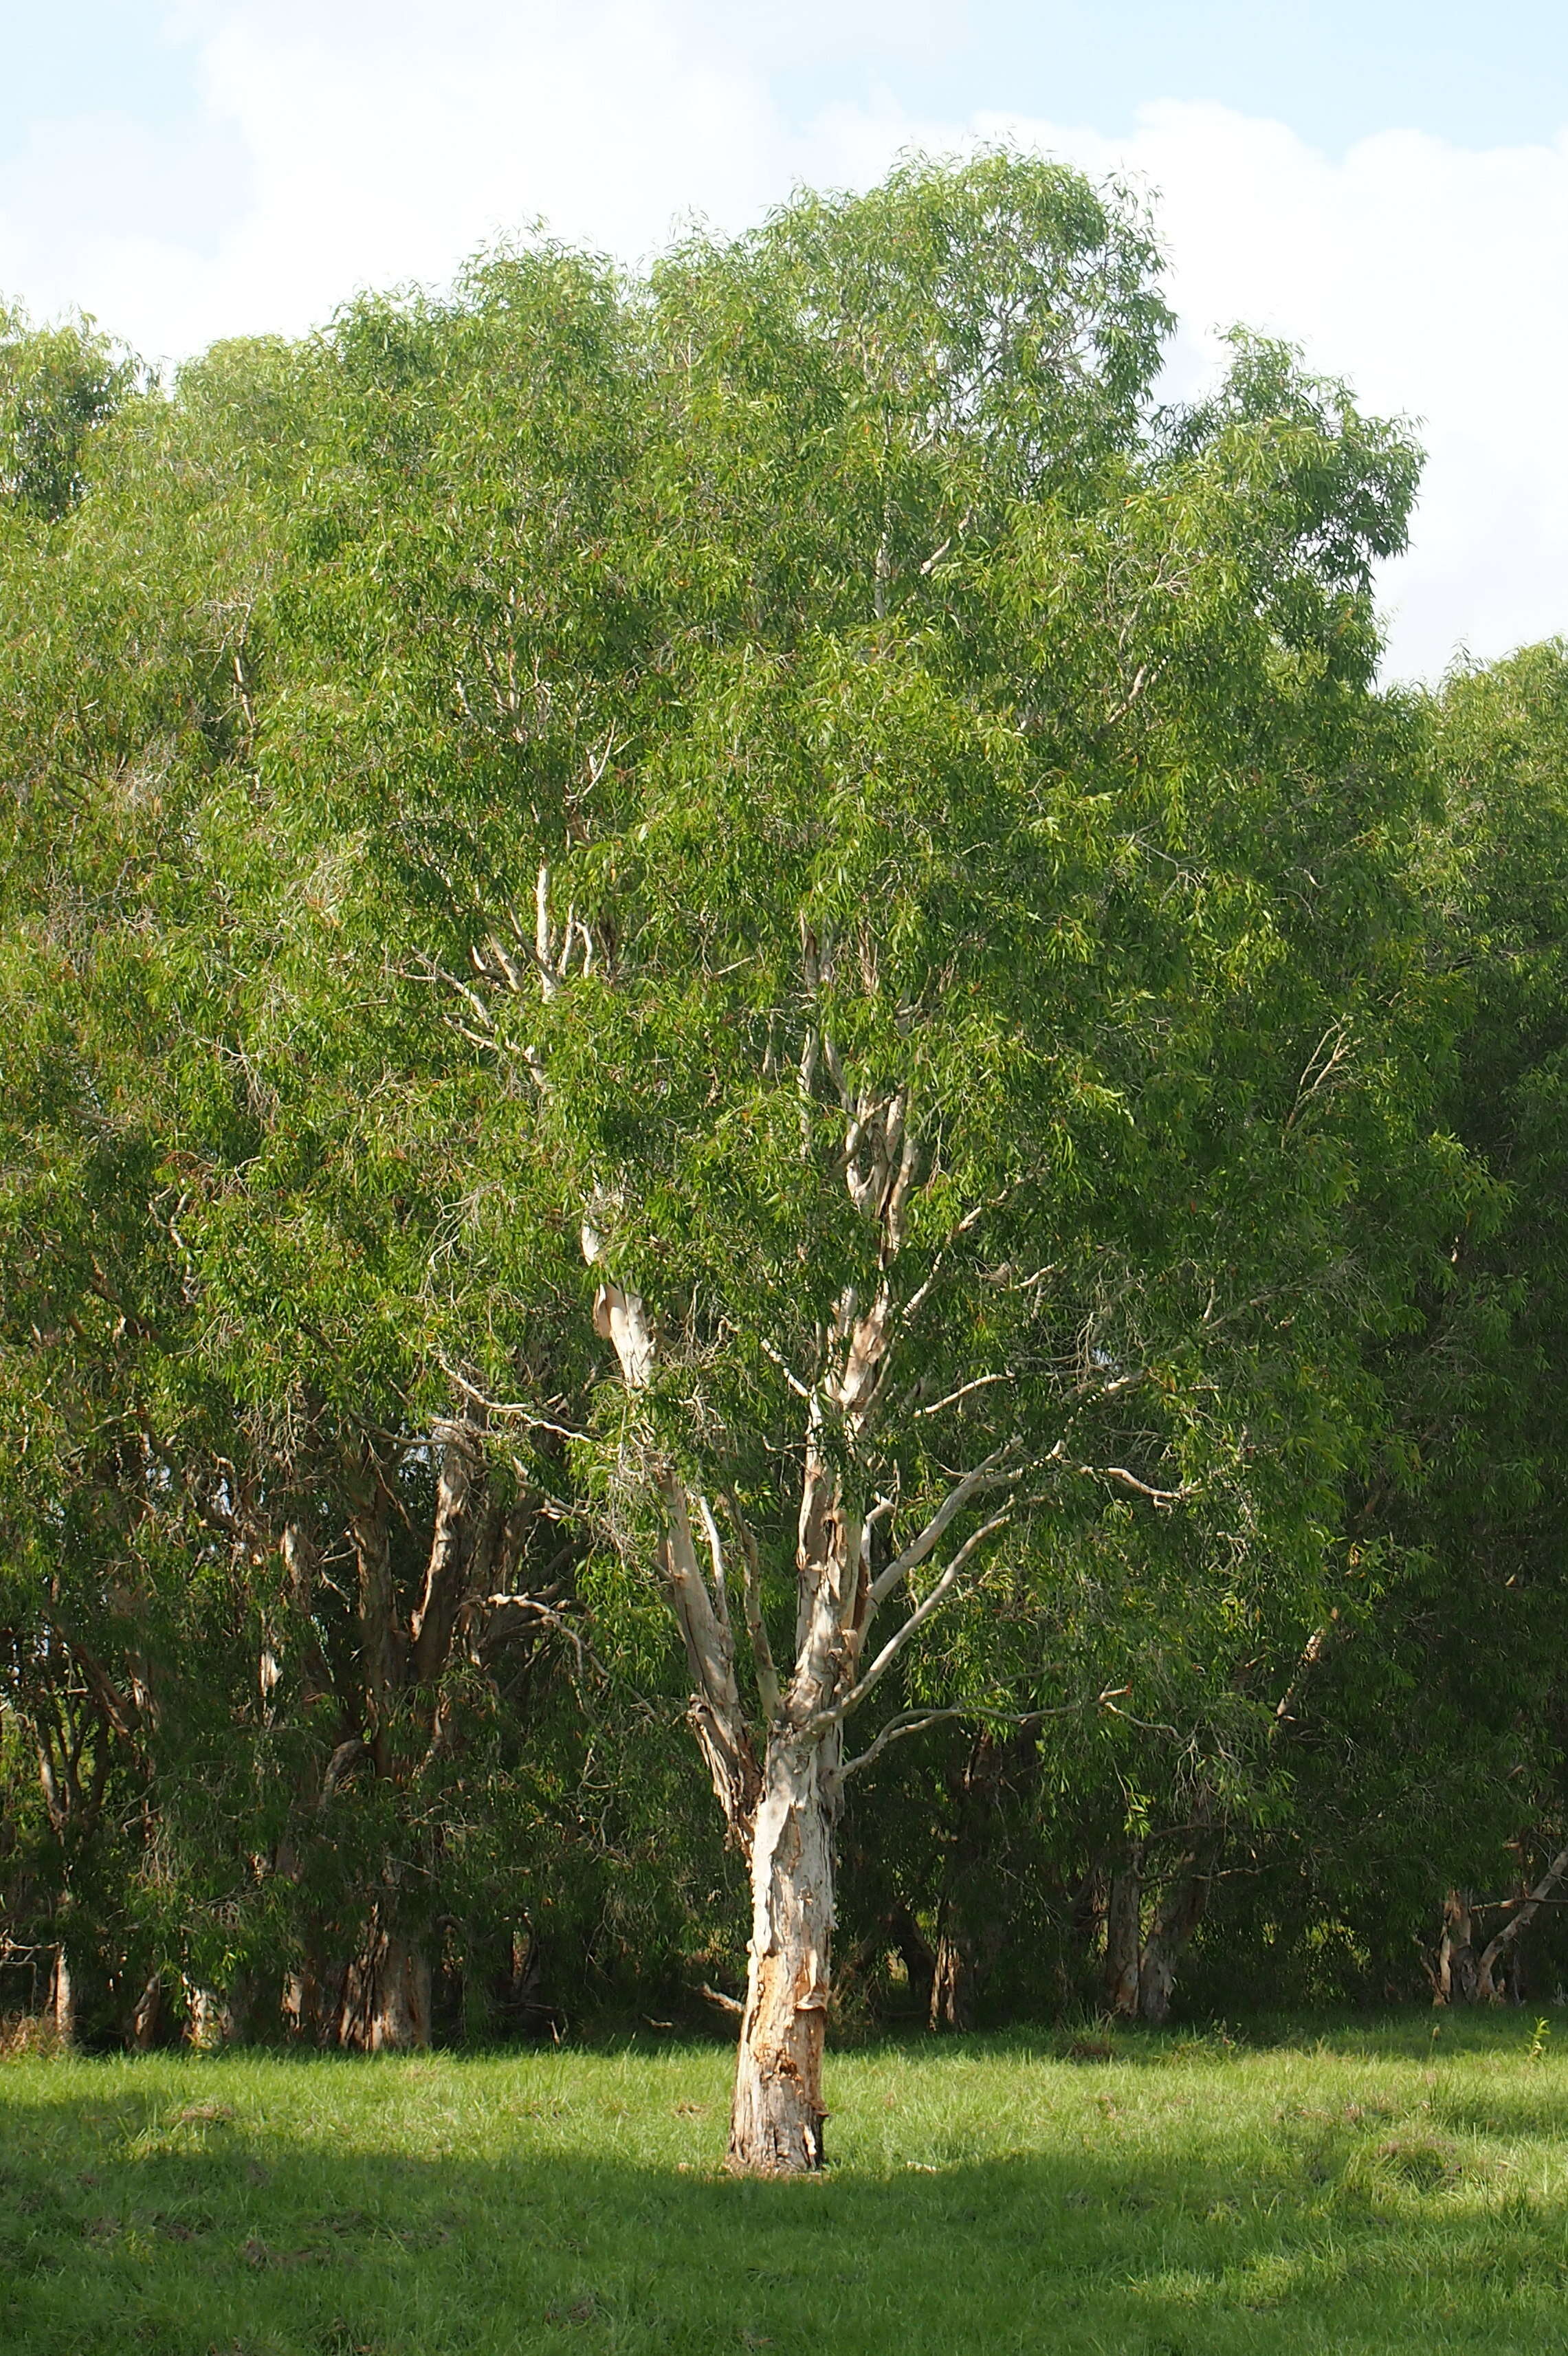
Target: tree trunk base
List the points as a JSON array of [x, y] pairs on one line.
[[62, 2000], [952, 1983], [777, 2116], [386, 1997]]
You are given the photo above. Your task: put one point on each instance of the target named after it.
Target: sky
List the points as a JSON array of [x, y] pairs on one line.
[[1385, 184]]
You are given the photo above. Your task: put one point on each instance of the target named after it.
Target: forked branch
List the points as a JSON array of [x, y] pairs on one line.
[[985, 1475], [924, 1610]]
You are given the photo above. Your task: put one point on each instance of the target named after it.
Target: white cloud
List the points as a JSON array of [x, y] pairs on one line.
[[345, 142]]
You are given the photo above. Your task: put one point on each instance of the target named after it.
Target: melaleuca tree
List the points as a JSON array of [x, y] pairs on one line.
[[1424, 1837], [774, 925], [366, 1283], [230, 1212], [106, 677], [967, 996], [1467, 1503]]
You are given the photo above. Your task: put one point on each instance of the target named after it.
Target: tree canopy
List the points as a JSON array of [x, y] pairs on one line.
[[734, 985]]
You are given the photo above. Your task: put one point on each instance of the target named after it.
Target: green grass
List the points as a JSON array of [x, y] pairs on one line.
[[1365, 2188]]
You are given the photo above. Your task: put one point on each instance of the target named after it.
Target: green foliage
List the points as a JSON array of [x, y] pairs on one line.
[[57, 384], [575, 747]]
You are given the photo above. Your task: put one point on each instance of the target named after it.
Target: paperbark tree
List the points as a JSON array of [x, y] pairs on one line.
[[778, 872], [961, 1092], [217, 1339]]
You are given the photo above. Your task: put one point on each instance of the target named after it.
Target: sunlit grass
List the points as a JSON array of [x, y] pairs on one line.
[[1357, 2188]]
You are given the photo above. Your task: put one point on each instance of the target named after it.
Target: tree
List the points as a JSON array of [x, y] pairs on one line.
[[739, 947], [965, 994], [228, 1371], [1475, 1499], [57, 384]]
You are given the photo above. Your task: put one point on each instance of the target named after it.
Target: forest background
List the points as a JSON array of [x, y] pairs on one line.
[[693, 961]]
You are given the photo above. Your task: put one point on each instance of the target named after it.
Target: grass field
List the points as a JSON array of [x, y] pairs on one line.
[[1370, 2187]]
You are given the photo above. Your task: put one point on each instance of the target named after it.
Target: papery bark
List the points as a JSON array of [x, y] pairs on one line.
[[213, 2019], [1455, 1979], [777, 2116], [781, 1811], [62, 1999], [146, 2015], [386, 1995]]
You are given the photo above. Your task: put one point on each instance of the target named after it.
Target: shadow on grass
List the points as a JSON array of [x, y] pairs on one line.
[[233, 2225]]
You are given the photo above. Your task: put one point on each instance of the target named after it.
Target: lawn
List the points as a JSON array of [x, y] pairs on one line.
[[1376, 2186]]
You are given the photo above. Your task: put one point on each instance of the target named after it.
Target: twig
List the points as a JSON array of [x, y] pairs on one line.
[[980, 1382], [916, 1722]]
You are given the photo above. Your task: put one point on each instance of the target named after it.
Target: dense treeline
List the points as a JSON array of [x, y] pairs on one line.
[[731, 1013]]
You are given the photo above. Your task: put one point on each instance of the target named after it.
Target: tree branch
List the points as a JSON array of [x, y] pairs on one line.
[[924, 1610], [1528, 1910], [756, 1625], [985, 1475], [915, 1722]]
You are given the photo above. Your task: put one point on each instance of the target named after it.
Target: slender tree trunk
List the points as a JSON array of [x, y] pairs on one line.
[[312, 2002], [919, 1958], [1124, 1935], [379, 1650], [1176, 1917], [777, 2116], [953, 1977], [1455, 1981], [62, 1999], [1499, 1951], [462, 1542], [148, 2016], [216, 2017], [968, 1940], [1085, 1919], [209, 2022], [969, 1922], [951, 1982]]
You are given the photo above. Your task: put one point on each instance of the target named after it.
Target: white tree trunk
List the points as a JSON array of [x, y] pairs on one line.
[[776, 2119], [62, 2000]]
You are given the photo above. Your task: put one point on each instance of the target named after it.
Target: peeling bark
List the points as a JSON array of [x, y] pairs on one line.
[[147, 2017], [777, 2116], [1498, 1951], [1454, 1980], [212, 2018], [62, 1999], [780, 1812], [461, 1541], [386, 1995]]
